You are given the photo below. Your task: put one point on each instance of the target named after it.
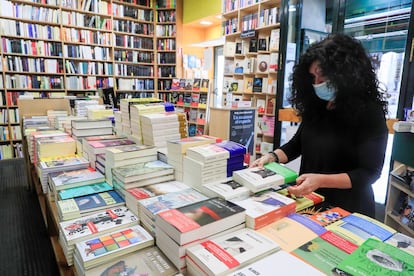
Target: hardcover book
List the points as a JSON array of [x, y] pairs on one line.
[[201, 219], [142, 171], [266, 207], [259, 179], [147, 261], [379, 258], [93, 252], [226, 253]]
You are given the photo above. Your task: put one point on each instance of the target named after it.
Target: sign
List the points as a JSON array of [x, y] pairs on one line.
[[242, 127]]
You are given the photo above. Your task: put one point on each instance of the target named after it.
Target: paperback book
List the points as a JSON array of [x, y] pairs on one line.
[[99, 250], [226, 253], [84, 190], [74, 178], [228, 189], [207, 153], [201, 219], [142, 171]]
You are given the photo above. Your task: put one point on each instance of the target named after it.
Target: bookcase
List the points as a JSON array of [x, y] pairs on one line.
[[56, 48], [400, 193], [251, 52]]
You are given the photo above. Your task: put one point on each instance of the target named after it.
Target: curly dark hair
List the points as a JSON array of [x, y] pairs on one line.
[[345, 63]]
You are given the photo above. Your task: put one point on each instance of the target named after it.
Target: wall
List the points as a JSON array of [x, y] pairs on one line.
[[196, 9]]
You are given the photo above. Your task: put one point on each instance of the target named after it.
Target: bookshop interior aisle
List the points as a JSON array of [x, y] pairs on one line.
[[25, 243]]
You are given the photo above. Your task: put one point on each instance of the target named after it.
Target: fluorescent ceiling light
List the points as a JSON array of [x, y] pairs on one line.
[[205, 22]]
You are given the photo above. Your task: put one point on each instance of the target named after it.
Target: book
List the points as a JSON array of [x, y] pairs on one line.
[[226, 253], [263, 61], [78, 206], [142, 171], [329, 216], [207, 153], [376, 257], [74, 178], [259, 179], [96, 251], [180, 146], [225, 188], [266, 207], [129, 151], [147, 261], [142, 182], [402, 241], [84, 190], [357, 228], [257, 84], [325, 252], [292, 231], [303, 202], [78, 133], [286, 264], [200, 219], [91, 124], [248, 84]]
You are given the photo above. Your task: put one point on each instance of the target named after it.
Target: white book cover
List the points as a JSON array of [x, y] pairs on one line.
[[226, 253], [95, 224], [258, 179], [279, 263], [96, 251], [227, 189], [208, 152]]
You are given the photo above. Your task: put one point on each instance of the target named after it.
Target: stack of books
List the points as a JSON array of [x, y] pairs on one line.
[[266, 207], [53, 146], [237, 154], [227, 253], [126, 155], [89, 127], [87, 227], [141, 174], [176, 150], [84, 205], [226, 188], [58, 164], [204, 164], [134, 195], [140, 109], [159, 127], [65, 180], [177, 229], [147, 261], [65, 122], [272, 175], [91, 148], [149, 207], [97, 251], [52, 115], [34, 136]]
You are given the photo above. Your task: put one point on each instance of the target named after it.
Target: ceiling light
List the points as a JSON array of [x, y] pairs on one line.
[[205, 22]]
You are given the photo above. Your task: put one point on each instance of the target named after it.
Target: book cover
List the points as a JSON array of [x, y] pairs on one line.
[[226, 188], [226, 253], [357, 228], [142, 171], [266, 207], [234, 148], [292, 231], [248, 85], [303, 202], [197, 220], [207, 153], [60, 163], [329, 216], [374, 257], [289, 265], [180, 146], [94, 224], [91, 123], [325, 252], [204, 85], [402, 241], [130, 151], [147, 261], [100, 249], [73, 178], [84, 190], [262, 63], [157, 189], [110, 143], [196, 84], [259, 179], [257, 84]]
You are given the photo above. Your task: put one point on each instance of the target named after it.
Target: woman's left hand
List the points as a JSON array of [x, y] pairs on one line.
[[306, 184]]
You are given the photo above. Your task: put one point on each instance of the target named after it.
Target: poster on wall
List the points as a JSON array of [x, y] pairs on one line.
[[242, 127]]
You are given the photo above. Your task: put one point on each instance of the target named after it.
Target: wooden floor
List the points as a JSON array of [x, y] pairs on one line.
[[26, 248]]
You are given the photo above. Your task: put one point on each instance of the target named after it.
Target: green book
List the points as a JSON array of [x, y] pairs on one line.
[[375, 257], [289, 174]]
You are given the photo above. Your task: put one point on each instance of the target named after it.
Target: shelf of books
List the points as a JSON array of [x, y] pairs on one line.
[[399, 212], [251, 51]]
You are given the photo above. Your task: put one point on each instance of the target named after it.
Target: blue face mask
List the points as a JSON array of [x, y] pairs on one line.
[[324, 91]]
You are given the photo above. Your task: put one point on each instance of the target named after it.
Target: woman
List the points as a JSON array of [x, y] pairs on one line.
[[343, 134]]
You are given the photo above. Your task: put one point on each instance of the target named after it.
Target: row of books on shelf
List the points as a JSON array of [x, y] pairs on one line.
[[250, 85], [8, 115], [196, 206], [10, 133], [8, 151]]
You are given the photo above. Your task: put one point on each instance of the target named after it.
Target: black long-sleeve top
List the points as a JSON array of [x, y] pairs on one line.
[[331, 146]]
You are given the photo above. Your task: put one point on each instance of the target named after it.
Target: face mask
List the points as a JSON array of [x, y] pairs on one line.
[[324, 91]]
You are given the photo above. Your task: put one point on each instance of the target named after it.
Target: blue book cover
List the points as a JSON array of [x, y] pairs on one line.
[[93, 201], [235, 149], [85, 190]]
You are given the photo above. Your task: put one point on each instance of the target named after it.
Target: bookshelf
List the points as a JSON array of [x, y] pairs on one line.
[[56, 48], [251, 51]]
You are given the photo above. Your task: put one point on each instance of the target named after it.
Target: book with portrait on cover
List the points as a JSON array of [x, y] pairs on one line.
[[198, 220]]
